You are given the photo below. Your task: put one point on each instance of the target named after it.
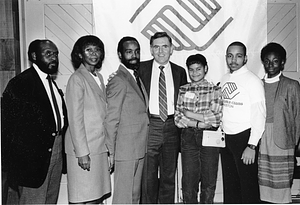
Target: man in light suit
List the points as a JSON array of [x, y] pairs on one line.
[[127, 124], [32, 129], [164, 136]]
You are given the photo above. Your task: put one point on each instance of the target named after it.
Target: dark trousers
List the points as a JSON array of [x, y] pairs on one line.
[[240, 181], [199, 164], [161, 157]]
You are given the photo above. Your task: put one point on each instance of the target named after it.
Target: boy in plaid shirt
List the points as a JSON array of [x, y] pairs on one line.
[[199, 107]]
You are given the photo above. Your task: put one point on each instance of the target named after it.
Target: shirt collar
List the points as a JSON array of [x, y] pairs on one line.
[[40, 73], [272, 80], [156, 65], [202, 82], [129, 70]]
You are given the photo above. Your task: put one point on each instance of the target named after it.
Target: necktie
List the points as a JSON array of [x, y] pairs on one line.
[[54, 103], [135, 73], [163, 109]]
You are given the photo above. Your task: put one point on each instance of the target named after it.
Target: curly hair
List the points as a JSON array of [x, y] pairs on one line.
[[273, 48]]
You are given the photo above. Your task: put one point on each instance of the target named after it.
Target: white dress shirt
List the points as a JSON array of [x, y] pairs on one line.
[[43, 77], [154, 90]]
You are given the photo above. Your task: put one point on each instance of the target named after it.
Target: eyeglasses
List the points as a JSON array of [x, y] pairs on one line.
[[50, 54]]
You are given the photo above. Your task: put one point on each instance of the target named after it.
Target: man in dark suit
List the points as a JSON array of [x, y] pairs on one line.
[[162, 80], [32, 126], [126, 124]]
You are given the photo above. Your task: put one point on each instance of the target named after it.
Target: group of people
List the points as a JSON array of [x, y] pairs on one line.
[[137, 124]]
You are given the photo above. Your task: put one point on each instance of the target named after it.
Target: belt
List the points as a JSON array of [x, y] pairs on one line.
[[157, 116]]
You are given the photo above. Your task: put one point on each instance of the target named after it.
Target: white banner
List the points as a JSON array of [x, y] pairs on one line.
[[196, 26]]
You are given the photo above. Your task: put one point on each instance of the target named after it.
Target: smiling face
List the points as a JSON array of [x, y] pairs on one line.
[[197, 72], [273, 64], [161, 49], [90, 56], [130, 55], [235, 58], [46, 57]]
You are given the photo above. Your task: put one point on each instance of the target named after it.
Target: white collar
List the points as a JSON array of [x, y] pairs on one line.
[[40, 73], [273, 79]]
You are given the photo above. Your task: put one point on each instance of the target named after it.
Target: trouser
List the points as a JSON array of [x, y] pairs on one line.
[[199, 164], [127, 181], [49, 191], [240, 181], [162, 155]]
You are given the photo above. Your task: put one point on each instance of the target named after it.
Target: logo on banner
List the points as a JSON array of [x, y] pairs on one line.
[[162, 22]]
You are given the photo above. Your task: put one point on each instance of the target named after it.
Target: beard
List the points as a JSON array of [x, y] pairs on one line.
[[52, 67], [130, 65]]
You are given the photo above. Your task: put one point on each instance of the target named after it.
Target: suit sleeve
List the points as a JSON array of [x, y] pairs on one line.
[[75, 106], [116, 93]]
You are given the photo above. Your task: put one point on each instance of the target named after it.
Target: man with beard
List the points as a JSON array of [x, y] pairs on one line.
[[33, 113], [126, 124]]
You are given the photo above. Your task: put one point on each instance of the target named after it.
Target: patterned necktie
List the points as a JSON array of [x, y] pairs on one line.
[[54, 103], [163, 109]]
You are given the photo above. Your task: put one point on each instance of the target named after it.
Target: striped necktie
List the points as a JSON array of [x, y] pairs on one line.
[[163, 108], [54, 103]]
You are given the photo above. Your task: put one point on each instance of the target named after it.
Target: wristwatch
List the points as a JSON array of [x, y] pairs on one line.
[[251, 146]]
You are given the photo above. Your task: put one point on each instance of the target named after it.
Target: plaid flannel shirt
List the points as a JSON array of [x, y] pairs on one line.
[[201, 97]]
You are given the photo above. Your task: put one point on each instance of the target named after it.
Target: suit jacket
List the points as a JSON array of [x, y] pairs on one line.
[[286, 125], [179, 77], [127, 120], [28, 129], [86, 104]]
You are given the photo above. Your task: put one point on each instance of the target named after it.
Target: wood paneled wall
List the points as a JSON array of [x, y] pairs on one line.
[[9, 41]]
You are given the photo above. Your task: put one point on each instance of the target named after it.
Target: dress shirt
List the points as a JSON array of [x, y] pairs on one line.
[[154, 90], [43, 77], [201, 97]]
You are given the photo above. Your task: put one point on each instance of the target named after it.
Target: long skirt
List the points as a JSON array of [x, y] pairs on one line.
[[86, 185], [275, 169]]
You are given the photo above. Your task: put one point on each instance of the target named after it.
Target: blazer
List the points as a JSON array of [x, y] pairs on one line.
[[28, 129], [179, 77], [127, 120], [286, 125], [86, 104]]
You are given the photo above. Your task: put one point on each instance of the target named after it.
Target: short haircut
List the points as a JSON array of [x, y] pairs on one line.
[[197, 58], [273, 48], [238, 43], [123, 40], [81, 44], [160, 35], [34, 47]]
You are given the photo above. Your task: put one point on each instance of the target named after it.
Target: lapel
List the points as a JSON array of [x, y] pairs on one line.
[[176, 81], [134, 84], [92, 82], [40, 95], [147, 74]]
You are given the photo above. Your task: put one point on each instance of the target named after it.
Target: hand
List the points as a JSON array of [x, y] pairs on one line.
[[187, 113], [111, 76], [111, 163], [85, 162], [181, 125], [248, 156]]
